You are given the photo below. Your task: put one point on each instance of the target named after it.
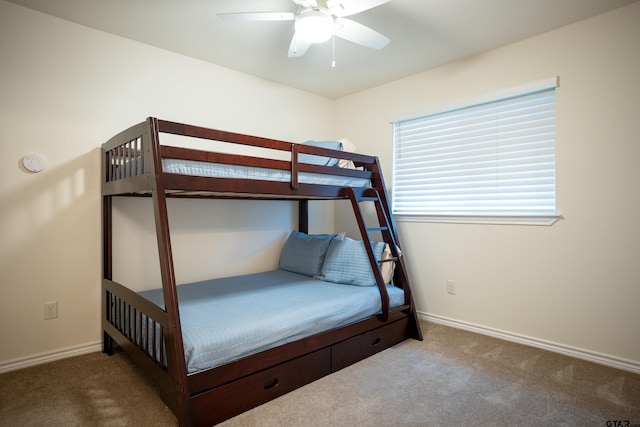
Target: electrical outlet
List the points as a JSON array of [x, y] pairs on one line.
[[451, 287], [50, 310]]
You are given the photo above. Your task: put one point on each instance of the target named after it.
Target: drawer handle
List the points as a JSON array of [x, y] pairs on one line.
[[376, 341], [271, 384]]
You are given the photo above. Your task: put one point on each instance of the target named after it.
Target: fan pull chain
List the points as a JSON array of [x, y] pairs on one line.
[[333, 53]]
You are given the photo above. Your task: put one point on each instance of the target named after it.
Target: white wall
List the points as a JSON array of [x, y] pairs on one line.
[[65, 89], [576, 283]]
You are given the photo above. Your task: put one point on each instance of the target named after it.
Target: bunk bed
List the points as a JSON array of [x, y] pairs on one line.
[[155, 328]]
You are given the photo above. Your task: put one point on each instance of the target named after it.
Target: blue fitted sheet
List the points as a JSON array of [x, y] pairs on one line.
[[220, 170], [229, 318]]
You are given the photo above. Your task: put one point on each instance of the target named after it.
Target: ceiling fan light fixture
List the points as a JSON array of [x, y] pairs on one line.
[[314, 26]]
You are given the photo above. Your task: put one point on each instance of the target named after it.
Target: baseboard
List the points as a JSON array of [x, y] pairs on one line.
[[603, 359], [39, 359]]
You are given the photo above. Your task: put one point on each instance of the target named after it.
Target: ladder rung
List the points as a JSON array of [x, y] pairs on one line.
[[377, 228], [367, 199], [394, 259]]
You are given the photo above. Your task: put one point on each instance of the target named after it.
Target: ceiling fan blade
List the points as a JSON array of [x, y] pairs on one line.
[[360, 34], [298, 47], [306, 3], [257, 16], [351, 7]]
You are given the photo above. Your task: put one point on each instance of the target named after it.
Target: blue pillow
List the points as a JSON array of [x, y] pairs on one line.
[[320, 160], [303, 253], [347, 262]]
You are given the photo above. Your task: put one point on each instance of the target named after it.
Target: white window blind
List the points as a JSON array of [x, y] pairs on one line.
[[492, 158]]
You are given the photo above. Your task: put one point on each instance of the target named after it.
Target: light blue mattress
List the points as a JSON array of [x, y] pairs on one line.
[[228, 318], [219, 170]]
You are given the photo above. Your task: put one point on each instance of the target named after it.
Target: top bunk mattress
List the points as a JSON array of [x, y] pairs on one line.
[[228, 318], [221, 170]]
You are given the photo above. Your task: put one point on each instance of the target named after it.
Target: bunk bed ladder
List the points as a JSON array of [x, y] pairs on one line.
[[386, 227], [388, 236]]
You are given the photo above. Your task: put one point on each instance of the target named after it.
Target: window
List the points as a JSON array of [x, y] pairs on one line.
[[488, 160]]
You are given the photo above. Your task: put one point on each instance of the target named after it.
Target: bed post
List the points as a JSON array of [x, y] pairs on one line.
[[303, 216], [107, 261], [175, 350]]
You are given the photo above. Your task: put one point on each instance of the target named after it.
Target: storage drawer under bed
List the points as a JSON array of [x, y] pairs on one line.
[[362, 346], [228, 400]]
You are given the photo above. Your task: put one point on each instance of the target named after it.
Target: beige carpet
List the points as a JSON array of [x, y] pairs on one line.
[[452, 378]]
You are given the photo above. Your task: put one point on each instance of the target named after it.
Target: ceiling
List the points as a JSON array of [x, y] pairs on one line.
[[424, 34]]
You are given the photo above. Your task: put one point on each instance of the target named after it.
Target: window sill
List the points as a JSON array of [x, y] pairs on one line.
[[477, 219]]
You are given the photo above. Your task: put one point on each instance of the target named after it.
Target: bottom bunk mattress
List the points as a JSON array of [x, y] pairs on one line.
[[228, 318]]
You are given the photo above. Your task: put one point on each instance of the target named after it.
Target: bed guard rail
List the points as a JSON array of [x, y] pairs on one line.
[[139, 321], [133, 154]]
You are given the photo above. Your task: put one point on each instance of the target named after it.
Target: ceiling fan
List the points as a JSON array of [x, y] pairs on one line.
[[317, 21]]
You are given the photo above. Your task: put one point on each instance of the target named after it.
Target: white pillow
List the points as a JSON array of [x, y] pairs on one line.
[[349, 147], [387, 268]]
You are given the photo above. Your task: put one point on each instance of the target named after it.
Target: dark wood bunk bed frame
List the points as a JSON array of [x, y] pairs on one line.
[[152, 336]]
